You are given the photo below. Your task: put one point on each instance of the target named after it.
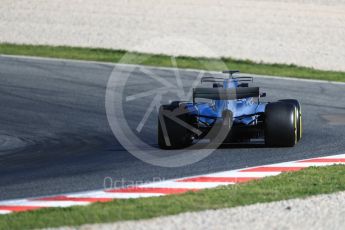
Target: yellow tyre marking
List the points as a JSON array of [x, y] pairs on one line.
[[295, 124], [300, 123]]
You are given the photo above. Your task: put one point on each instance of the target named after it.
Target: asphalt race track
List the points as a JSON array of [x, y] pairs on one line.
[[55, 137]]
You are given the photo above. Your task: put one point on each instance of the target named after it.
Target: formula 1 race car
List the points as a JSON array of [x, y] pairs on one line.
[[229, 113]]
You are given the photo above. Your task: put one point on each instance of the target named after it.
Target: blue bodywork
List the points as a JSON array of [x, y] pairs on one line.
[[245, 111], [229, 112]]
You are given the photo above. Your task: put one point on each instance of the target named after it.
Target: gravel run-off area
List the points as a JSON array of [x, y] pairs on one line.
[[318, 212], [303, 32]]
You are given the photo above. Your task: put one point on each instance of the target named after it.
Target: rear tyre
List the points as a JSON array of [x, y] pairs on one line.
[[280, 124], [299, 116], [171, 134]]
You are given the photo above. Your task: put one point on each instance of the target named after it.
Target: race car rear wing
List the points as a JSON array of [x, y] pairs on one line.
[[220, 79], [225, 94]]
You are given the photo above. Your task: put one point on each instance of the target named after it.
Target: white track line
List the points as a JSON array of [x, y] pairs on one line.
[[238, 174], [61, 204], [187, 185], [3, 212], [306, 164], [102, 194]]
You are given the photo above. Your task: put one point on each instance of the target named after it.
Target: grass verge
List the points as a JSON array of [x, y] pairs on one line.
[[311, 181], [115, 56]]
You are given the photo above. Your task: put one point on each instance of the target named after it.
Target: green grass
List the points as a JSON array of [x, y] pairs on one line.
[[116, 56], [311, 181]]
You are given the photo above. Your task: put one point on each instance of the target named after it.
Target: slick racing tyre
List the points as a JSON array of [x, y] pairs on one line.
[[299, 116], [281, 124]]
